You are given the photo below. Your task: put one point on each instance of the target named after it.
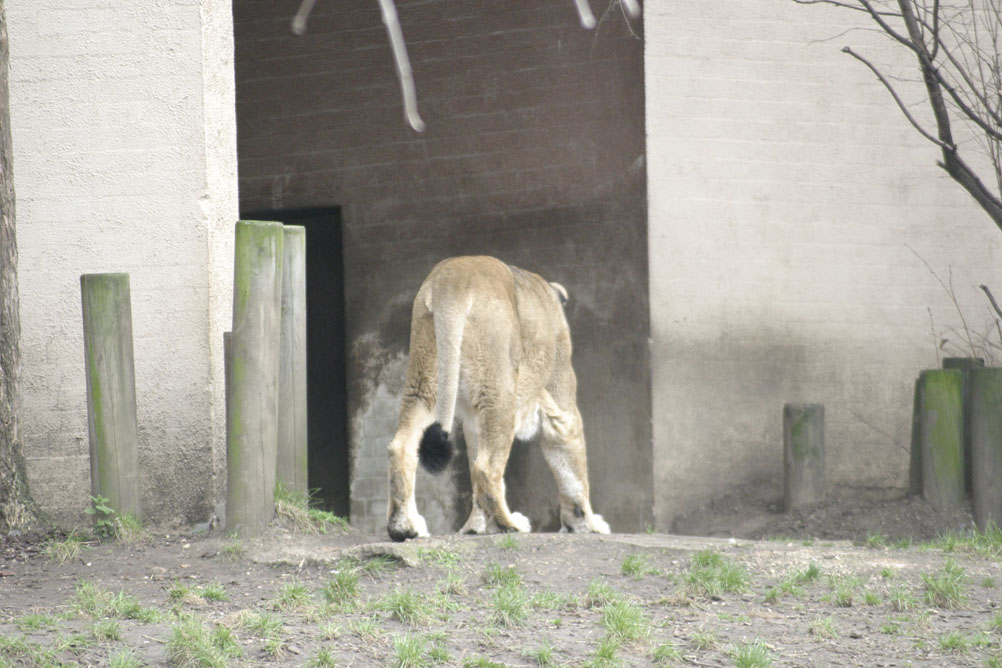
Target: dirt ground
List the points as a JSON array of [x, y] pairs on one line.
[[811, 598]]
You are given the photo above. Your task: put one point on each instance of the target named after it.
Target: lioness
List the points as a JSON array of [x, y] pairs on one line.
[[490, 342]]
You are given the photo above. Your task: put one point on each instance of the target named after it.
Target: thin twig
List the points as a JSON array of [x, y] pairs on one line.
[[403, 63], [901, 105], [584, 13], [991, 298], [299, 20]]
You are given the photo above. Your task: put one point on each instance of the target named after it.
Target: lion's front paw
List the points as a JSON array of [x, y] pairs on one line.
[[521, 522], [403, 527], [597, 525]]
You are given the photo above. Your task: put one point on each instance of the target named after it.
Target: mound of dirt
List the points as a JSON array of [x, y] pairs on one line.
[[755, 511]]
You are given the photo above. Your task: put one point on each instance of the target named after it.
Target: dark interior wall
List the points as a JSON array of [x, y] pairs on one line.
[[534, 153]]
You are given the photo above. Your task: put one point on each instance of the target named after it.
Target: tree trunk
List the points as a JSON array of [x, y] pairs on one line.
[[17, 512]]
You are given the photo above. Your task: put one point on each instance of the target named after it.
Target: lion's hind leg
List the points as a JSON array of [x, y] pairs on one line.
[[495, 432], [564, 450], [403, 519]]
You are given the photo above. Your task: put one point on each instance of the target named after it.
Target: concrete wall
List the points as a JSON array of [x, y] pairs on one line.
[[125, 160], [534, 153], [792, 211]]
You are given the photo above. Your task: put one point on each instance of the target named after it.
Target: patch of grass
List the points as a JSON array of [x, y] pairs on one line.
[[405, 605], [124, 658], [324, 658], [213, 592], [549, 600], [945, 588], [261, 624], [452, 585], [823, 627], [438, 556], [129, 529], [342, 587], [301, 511], [666, 655], [875, 541], [63, 550], [409, 651], [107, 630], [886, 573], [481, 662], [713, 575], [701, 639], [508, 542], [995, 624], [871, 597], [293, 595], [599, 594], [193, 645], [543, 656], [902, 544], [954, 641], [624, 621], [843, 589], [988, 582], [374, 566], [753, 655], [497, 575], [36, 622], [901, 600], [510, 605], [636, 566], [606, 655], [234, 550], [438, 652], [891, 628], [366, 628]]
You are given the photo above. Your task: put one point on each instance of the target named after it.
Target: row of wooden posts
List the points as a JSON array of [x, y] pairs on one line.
[[265, 360], [956, 447]]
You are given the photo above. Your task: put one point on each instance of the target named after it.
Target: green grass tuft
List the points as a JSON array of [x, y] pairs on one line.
[[945, 588], [754, 655]]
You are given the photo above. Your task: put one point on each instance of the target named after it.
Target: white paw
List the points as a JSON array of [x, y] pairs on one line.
[[521, 522], [476, 523], [420, 526], [597, 525]]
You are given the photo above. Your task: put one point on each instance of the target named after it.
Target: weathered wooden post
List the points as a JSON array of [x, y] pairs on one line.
[[986, 445], [111, 391], [941, 437], [292, 455], [803, 454], [965, 365], [252, 402], [915, 461]]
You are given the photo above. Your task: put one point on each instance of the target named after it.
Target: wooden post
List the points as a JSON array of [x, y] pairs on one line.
[[965, 364], [986, 445], [292, 442], [111, 391], [941, 437], [803, 454], [252, 404], [915, 461]]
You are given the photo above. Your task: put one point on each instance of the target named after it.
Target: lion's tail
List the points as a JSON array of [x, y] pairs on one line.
[[434, 452]]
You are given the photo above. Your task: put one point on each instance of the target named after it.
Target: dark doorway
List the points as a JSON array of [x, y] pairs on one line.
[[326, 396]]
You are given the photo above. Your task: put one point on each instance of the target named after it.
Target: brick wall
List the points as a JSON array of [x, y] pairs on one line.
[[534, 153], [125, 160], [792, 213]]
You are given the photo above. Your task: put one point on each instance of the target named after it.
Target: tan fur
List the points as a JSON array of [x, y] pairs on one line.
[[491, 343]]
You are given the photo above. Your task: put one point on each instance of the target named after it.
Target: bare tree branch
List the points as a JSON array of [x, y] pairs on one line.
[[901, 105]]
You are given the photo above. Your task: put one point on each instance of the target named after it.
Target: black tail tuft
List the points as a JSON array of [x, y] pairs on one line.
[[435, 450]]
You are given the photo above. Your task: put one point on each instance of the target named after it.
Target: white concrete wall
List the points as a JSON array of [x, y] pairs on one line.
[[791, 207], [125, 160]]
